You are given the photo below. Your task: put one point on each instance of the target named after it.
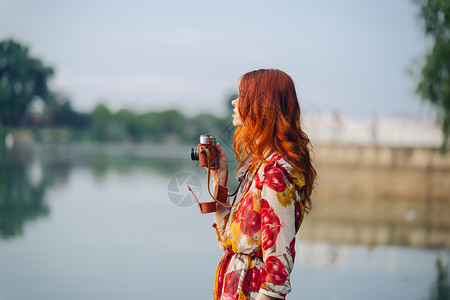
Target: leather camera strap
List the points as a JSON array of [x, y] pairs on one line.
[[220, 193]]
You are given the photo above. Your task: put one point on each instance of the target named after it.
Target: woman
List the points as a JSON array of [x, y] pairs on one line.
[[276, 178]]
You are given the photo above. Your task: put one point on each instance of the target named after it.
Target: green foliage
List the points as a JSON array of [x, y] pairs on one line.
[[434, 85], [60, 113], [23, 83], [169, 126], [22, 78]]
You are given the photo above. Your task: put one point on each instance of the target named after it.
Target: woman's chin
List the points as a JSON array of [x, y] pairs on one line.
[[237, 123]]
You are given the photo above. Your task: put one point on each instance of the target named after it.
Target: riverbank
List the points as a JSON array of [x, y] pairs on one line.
[[381, 195]]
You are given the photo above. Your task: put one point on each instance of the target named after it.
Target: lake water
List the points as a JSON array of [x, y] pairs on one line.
[[109, 222]]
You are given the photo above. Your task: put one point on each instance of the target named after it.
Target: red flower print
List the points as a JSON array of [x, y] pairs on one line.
[[274, 178], [271, 225], [263, 275], [276, 272], [251, 225], [245, 207], [223, 266], [231, 284], [250, 220], [292, 248], [258, 182], [251, 281], [269, 237], [276, 157], [285, 172], [230, 297]]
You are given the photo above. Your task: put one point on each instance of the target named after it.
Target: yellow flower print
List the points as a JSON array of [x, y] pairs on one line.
[[235, 236], [254, 240], [257, 202], [287, 197], [298, 178], [242, 296], [233, 218]]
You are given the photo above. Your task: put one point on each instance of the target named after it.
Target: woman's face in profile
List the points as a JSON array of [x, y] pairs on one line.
[[237, 121]]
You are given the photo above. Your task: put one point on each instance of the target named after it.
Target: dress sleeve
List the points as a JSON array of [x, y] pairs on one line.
[[279, 212], [221, 219], [220, 224]]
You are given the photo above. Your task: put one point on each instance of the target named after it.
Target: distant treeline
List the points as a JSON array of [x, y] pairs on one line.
[[104, 125], [27, 102], [164, 126]]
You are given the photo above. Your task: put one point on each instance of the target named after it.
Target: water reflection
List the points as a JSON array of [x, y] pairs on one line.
[[106, 207], [22, 194], [355, 202], [441, 288], [27, 173], [381, 196]]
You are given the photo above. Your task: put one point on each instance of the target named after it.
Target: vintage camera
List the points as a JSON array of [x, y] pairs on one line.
[[199, 153]]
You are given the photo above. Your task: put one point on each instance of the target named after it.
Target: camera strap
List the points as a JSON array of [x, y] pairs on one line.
[[220, 192]]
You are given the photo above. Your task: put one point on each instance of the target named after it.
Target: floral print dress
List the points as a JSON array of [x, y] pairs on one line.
[[258, 234]]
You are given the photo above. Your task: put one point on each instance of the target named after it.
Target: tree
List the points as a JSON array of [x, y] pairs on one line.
[[101, 120], [434, 84], [22, 78], [60, 113]]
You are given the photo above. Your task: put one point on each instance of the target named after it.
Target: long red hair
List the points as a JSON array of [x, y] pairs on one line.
[[270, 112]]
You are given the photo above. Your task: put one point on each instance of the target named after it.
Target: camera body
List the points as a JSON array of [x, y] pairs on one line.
[[198, 153]]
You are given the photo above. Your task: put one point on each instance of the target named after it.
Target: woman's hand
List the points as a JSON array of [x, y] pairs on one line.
[[220, 175]]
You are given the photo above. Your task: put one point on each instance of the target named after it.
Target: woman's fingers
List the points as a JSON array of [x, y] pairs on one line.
[[220, 174], [219, 148], [222, 156]]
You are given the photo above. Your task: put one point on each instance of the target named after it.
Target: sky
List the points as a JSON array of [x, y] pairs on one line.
[[349, 56]]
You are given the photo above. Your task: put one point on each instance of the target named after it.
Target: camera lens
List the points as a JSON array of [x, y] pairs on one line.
[[194, 153]]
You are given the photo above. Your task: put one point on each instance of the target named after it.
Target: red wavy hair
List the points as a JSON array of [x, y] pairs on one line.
[[270, 111]]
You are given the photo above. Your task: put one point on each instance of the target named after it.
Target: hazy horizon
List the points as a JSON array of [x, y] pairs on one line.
[[349, 57]]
